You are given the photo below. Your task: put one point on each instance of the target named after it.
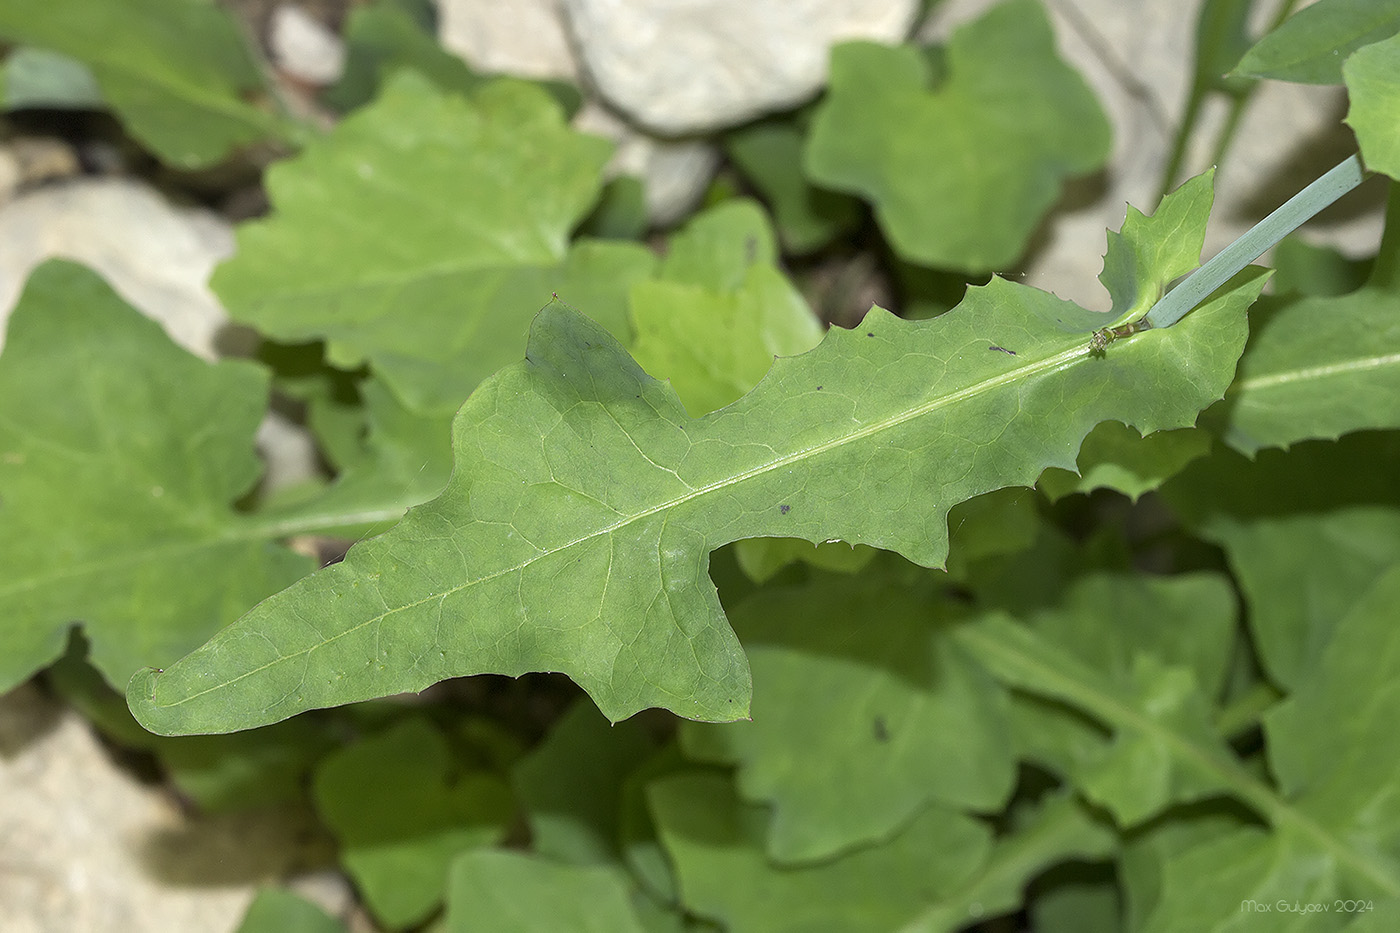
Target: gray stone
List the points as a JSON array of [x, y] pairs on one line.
[[681, 67]]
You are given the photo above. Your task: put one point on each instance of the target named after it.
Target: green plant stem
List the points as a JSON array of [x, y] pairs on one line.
[[1293, 214], [1200, 87]]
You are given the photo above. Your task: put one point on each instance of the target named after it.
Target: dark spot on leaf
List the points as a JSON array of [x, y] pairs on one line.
[[870, 333], [882, 733], [819, 388], [1002, 349], [785, 509]]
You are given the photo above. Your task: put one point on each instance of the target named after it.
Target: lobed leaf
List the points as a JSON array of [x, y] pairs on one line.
[[960, 173], [120, 457], [575, 532], [423, 233], [1150, 252], [176, 71]]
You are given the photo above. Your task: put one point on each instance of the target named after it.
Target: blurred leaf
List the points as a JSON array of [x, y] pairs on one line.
[[1372, 77], [120, 456], [508, 891], [960, 174], [1312, 44], [278, 911], [1061, 829], [717, 844], [1335, 834], [864, 713], [575, 462], [1302, 548], [1315, 368], [381, 37], [425, 232], [570, 785], [1116, 457], [1303, 269], [621, 212], [403, 810], [177, 72], [43, 79], [1149, 682], [403, 460], [807, 217], [720, 311]]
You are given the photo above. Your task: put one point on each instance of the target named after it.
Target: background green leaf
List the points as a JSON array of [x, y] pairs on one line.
[[424, 233], [278, 911], [1372, 77], [864, 712], [403, 809], [175, 71], [493, 890], [959, 172], [1312, 44], [120, 456], [719, 311]]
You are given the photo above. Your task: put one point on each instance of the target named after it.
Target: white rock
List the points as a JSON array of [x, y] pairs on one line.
[[523, 37], [674, 173], [158, 257], [691, 66], [304, 48]]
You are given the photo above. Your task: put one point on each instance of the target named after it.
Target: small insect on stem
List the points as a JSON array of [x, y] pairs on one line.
[[1106, 335]]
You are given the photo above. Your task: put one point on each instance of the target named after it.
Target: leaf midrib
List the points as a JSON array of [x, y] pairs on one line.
[[1050, 364], [1358, 364]]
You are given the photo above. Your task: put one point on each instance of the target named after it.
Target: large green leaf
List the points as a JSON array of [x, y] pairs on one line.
[[120, 456], [575, 532], [959, 173], [403, 809], [1373, 84], [423, 234], [864, 712], [1313, 44], [176, 71]]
